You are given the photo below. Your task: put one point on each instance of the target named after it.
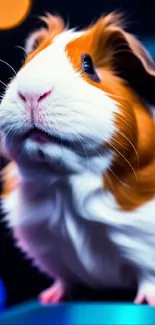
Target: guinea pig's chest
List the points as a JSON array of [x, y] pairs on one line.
[[52, 229]]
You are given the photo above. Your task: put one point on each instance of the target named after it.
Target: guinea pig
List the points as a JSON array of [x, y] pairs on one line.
[[79, 191]]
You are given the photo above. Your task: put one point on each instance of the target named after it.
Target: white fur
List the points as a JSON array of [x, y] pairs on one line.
[[73, 101], [83, 235], [68, 223]]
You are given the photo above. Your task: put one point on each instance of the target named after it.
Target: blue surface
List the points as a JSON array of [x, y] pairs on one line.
[[79, 314]]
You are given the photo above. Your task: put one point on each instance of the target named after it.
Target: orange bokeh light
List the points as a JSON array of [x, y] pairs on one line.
[[13, 12]]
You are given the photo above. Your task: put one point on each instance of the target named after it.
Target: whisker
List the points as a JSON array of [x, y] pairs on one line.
[[5, 135], [114, 96], [110, 144], [126, 122], [85, 114], [15, 73], [78, 136], [3, 83], [94, 149], [121, 182], [22, 48], [118, 116], [122, 134]]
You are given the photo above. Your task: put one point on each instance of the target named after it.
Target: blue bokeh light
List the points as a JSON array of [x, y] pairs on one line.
[[2, 295]]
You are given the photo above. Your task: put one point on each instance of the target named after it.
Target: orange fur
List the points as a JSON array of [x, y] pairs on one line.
[[133, 188], [10, 180], [132, 176]]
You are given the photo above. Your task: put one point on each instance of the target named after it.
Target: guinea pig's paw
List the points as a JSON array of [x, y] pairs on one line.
[[146, 293], [54, 294]]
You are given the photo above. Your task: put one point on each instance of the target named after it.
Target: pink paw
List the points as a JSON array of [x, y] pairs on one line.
[[54, 294], [146, 293]]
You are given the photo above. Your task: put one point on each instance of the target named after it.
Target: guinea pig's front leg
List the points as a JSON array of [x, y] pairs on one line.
[[146, 292], [54, 294]]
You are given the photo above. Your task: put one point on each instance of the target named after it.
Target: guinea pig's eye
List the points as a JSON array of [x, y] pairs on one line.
[[88, 67]]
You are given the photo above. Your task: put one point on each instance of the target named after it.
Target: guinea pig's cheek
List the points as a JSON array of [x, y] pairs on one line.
[[96, 115]]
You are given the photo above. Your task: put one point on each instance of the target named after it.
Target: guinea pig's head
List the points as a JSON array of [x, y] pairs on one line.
[[74, 96]]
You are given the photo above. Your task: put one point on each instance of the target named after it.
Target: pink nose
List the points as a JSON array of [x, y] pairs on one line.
[[37, 97]]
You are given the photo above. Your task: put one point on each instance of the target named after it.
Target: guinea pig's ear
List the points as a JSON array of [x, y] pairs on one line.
[[129, 58], [54, 26], [34, 40]]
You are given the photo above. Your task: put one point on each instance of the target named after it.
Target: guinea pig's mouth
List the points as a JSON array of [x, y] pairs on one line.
[[43, 137]]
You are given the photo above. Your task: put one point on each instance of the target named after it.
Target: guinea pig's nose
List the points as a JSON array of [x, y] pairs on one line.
[[37, 97]]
